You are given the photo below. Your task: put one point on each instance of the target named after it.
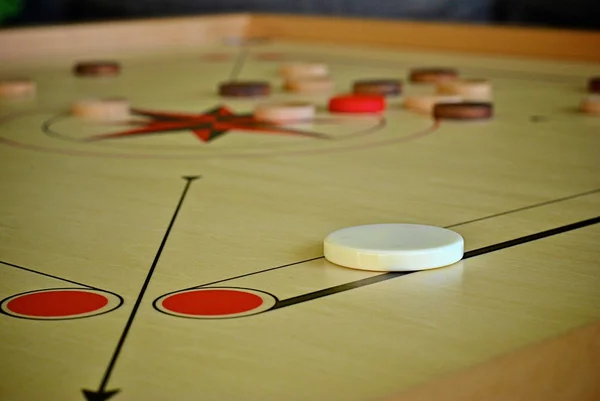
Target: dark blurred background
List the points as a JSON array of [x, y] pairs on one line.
[[573, 14]]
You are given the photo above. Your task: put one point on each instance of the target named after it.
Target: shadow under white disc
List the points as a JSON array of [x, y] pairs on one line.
[[393, 247]]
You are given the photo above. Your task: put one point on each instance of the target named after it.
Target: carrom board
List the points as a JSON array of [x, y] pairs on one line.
[[170, 267]]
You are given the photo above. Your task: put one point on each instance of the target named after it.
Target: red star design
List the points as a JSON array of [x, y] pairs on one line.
[[206, 126]]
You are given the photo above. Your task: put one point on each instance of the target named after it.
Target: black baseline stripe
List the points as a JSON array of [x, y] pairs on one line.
[[470, 254], [532, 237], [337, 289], [49, 275]]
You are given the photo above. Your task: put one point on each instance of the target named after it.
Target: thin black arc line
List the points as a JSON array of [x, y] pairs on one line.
[[238, 64], [121, 342], [47, 128], [49, 131], [52, 276], [470, 254], [209, 125], [546, 203], [173, 157], [47, 124]]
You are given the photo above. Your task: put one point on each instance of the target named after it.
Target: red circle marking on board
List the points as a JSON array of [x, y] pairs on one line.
[[209, 302], [357, 104], [56, 303]]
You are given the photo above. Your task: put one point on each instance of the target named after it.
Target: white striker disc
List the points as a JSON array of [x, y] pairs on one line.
[[393, 247]]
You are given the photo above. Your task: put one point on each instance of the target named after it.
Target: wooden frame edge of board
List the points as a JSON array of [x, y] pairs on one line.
[[562, 368], [140, 35], [109, 37], [530, 42]]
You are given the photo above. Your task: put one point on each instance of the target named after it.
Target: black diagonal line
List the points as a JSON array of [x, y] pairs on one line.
[[115, 356], [470, 254], [337, 289], [550, 202], [49, 275], [238, 64], [532, 237]]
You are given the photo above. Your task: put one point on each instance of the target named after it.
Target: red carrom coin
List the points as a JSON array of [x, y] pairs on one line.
[[594, 85], [97, 68], [357, 104], [463, 111]]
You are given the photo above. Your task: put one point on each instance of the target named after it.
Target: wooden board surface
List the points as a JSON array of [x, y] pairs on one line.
[[129, 220]]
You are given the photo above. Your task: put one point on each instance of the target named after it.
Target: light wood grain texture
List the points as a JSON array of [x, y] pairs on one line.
[[96, 213]]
